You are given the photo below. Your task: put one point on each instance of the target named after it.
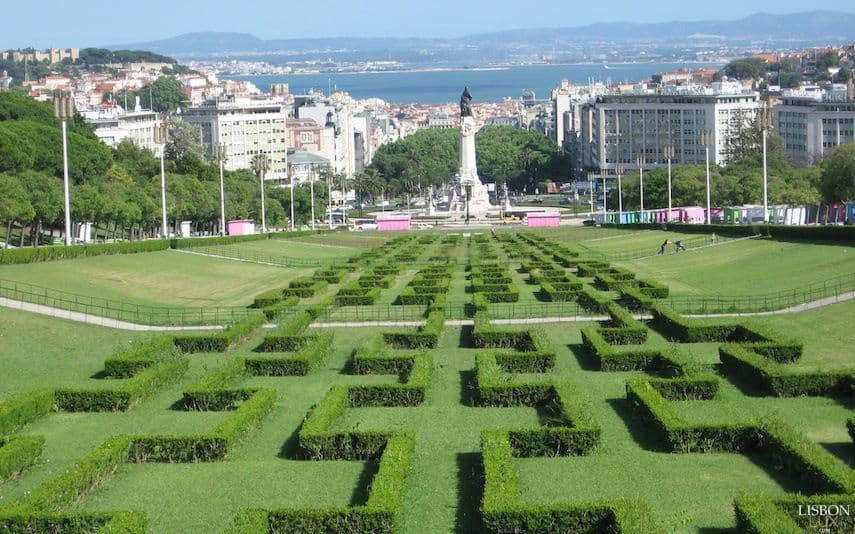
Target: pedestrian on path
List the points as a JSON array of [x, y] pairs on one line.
[[662, 247], [679, 246]]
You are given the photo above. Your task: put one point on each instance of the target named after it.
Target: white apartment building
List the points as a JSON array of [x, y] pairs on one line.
[[617, 129], [246, 126], [812, 125], [114, 125]]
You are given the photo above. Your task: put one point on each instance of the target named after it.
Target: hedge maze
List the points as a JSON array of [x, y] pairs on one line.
[[448, 427]]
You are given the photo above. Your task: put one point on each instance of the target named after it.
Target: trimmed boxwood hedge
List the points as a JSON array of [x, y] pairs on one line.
[[780, 445], [380, 514], [126, 363], [18, 453], [503, 511], [124, 396], [26, 407], [301, 363], [221, 341], [268, 298], [425, 336], [776, 379], [52, 253]]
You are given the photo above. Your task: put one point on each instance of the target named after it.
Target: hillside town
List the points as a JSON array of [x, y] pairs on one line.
[[603, 127]]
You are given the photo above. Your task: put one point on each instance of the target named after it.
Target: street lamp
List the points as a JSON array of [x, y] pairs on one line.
[[220, 157], [291, 181], [591, 192], [261, 164], [641, 161], [669, 155], [161, 137], [605, 193], [329, 198], [706, 141], [63, 111], [764, 122], [312, 193], [468, 188], [619, 170]]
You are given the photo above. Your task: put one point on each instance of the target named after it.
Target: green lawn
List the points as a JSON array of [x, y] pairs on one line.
[[38, 351], [687, 492], [295, 249], [167, 278], [744, 268]]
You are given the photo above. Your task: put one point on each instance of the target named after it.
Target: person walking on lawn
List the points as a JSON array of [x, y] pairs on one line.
[[662, 247]]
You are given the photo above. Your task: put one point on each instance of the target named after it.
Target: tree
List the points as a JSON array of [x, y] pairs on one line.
[[746, 69], [838, 175], [14, 203], [164, 95], [46, 198], [185, 146]]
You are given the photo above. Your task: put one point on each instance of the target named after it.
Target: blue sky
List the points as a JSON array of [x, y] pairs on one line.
[[62, 23]]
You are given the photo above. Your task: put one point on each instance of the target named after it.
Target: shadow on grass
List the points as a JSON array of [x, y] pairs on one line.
[[467, 340], [843, 450], [744, 386], [643, 435], [775, 471], [714, 530], [586, 361], [361, 491], [468, 388], [470, 484], [291, 448]]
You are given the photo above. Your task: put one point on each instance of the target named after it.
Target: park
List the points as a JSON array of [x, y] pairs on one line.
[[536, 380]]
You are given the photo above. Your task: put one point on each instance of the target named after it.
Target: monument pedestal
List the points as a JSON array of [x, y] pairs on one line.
[[467, 176]]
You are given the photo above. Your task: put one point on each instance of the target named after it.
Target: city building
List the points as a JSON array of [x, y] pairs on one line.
[[619, 128], [813, 123], [305, 166], [113, 125], [246, 126]]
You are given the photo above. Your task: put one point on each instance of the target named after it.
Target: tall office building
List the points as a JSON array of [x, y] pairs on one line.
[[617, 129], [246, 126]]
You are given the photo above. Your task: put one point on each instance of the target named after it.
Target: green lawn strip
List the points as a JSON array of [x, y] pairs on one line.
[[38, 352], [165, 279], [301, 249], [747, 268]]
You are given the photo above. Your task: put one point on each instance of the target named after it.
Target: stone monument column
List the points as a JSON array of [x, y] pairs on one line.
[[467, 175]]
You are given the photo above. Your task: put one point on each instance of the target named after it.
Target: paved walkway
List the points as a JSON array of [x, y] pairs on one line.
[[792, 309], [124, 325], [97, 320], [217, 256]]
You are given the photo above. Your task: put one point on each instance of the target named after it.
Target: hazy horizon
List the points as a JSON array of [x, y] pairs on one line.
[[84, 24]]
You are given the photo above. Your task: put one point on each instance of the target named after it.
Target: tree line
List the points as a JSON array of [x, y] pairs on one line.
[[522, 159], [119, 189]]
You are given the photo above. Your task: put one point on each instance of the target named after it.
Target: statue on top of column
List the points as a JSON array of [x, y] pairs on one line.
[[466, 103]]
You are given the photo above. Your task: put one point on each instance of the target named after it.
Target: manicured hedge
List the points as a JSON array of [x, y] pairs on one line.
[[504, 296], [408, 297], [813, 233], [305, 291], [818, 470], [426, 336], [124, 396], [51, 253], [18, 453], [777, 379], [850, 425], [101, 522], [268, 298], [221, 341], [504, 512], [300, 363], [275, 311], [781, 515], [380, 514], [23, 408], [68, 486], [592, 300], [319, 442], [676, 327], [358, 296], [126, 363], [213, 392], [212, 446], [288, 337]]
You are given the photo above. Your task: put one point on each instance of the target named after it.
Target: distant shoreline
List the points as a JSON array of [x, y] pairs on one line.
[[476, 69]]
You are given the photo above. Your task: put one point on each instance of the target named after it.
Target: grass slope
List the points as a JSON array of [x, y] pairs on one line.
[[170, 279]]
